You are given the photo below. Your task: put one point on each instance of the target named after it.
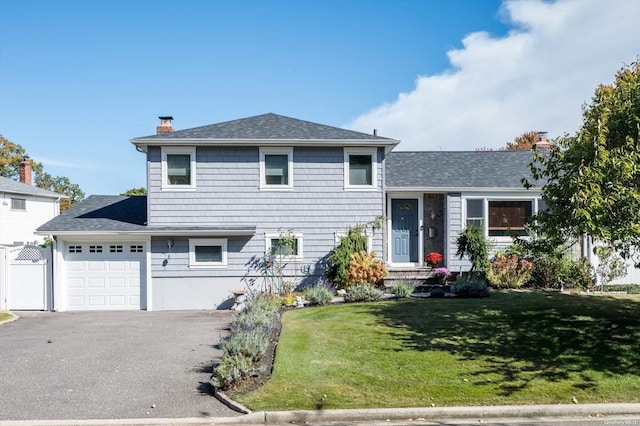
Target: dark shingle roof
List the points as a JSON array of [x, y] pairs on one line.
[[15, 187], [101, 213], [457, 169], [123, 214], [267, 127]]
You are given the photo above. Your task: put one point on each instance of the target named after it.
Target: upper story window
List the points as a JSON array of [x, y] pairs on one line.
[[360, 168], [276, 168], [207, 252], [178, 168], [18, 204]]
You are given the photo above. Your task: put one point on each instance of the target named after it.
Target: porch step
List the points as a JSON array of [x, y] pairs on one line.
[[415, 275]]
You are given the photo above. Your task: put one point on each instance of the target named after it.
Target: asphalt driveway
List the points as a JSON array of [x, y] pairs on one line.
[[105, 365]]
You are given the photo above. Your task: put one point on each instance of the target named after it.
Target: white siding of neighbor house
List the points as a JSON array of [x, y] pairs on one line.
[[18, 226], [228, 193]]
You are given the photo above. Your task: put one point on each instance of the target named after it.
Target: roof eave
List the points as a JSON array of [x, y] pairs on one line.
[[444, 189], [155, 233], [145, 143]]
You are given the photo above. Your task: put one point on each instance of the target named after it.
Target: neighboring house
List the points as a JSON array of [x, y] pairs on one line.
[[23, 208], [218, 198]]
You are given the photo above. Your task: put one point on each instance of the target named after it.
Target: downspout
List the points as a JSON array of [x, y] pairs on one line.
[[384, 207]]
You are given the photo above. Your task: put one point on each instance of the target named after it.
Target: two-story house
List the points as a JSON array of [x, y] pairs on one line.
[[218, 198], [24, 207]]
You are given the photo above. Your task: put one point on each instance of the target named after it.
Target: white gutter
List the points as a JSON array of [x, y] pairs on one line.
[[458, 189]]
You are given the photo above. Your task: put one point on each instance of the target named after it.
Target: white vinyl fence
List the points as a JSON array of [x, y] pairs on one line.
[[25, 278]]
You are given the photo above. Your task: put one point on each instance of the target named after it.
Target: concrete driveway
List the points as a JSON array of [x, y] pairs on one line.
[[106, 365]]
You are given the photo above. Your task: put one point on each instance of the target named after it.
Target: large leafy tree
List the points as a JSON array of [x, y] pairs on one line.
[[525, 141], [11, 154], [593, 177]]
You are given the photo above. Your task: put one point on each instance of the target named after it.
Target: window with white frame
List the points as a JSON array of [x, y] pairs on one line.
[[276, 168], [178, 168], [360, 168], [508, 218], [503, 218], [281, 246], [207, 252], [475, 212], [18, 204]]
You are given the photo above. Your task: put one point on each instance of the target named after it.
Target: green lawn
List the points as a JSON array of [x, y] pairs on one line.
[[4, 316], [509, 348]]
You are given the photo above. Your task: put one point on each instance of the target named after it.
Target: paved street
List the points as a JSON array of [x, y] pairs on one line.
[[106, 365]]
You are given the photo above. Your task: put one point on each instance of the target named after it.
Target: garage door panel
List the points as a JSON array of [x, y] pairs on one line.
[[104, 280]]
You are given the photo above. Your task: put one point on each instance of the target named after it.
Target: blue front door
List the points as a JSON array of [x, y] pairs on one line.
[[404, 230]]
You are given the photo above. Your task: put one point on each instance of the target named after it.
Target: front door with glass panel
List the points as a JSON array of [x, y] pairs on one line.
[[404, 231]]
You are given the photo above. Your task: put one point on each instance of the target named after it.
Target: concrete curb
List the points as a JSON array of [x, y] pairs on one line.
[[380, 414], [13, 318]]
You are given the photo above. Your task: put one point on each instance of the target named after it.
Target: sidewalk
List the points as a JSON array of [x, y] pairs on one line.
[[440, 414]]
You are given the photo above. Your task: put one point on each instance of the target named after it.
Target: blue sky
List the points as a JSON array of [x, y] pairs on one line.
[[79, 79]]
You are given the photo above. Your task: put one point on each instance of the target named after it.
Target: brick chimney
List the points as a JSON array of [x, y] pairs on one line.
[[25, 170], [165, 125], [543, 143]]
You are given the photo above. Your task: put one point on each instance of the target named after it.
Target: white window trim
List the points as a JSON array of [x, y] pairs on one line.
[[373, 152], [485, 212], [271, 235], [179, 151], [276, 151], [338, 236], [193, 242]]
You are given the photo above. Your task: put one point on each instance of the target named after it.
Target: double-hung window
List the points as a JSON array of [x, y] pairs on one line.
[[284, 248], [507, 218], [18, 204], [178, 168], [360, 168], [475, 212], [207, 253], [276, 168]]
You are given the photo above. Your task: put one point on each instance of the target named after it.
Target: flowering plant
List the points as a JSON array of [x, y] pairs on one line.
[[442, 274], [433, 258], [509, 271]]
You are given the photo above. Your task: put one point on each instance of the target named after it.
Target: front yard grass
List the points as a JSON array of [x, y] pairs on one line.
[[509, 348], [5, 316]]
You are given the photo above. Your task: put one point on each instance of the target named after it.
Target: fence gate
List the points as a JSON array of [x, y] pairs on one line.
[[27, 278]]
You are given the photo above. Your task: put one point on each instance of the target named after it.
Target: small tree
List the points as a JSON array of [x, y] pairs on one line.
[[473, 244], [611, 265]]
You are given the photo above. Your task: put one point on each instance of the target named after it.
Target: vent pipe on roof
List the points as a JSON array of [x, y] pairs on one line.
[[375, 132], [165, 125]]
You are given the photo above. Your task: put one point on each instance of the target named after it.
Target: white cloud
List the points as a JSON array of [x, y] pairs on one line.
[[535, 78]]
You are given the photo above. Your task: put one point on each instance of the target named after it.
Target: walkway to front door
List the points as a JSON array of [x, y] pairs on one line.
[[404, 230]]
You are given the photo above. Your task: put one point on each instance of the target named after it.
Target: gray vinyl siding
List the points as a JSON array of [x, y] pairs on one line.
[[228, 192], [455, 225]]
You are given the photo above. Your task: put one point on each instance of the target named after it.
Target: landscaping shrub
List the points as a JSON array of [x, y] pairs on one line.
[[340, 258], [509, 271], [581, 275], [318, 295], [627, 288], [362, 293], [402, 289], [230, 370], [473, 244], [432, 259], [437, 294], [250, 343], [365, 269], [470, 287]]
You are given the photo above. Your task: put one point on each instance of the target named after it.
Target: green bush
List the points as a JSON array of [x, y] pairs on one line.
[[580, 275], [628, 288], [402, 289], [437, 294], [250, 343], [473, 244], [470, 287], [231, 370], [318, 295], [340, 258], [362, 293], [265, 302], [252, 318]]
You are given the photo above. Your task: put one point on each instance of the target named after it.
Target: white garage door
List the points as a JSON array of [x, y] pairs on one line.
[[104, 276]]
